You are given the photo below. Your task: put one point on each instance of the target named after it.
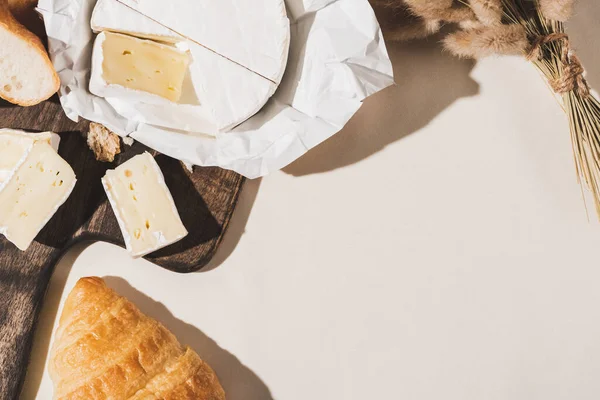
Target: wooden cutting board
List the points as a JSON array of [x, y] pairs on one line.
[[205, 199]]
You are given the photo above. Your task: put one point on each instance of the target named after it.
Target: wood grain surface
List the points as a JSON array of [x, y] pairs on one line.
[[205, 199]]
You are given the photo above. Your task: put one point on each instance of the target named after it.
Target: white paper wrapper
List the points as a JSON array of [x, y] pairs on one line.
[[337, 58]]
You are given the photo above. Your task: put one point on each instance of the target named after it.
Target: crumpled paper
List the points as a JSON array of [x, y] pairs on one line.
[[337, 59]]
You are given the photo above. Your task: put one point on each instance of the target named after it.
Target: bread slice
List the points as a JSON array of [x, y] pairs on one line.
[[27, 76]]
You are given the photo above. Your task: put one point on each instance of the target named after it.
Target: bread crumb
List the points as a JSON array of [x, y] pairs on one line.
[[128, 141], [104, 143]]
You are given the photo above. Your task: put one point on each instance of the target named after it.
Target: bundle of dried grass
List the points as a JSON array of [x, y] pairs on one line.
[[550, 51], [487, 40], [534, 29], [489, 12]]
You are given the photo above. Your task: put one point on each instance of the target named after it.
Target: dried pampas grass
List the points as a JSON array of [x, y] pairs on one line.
[[550, 51], [557, 10], [488, 12], [442, 10], [408, 19], [487, 41]]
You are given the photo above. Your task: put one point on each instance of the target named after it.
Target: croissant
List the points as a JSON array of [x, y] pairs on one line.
[[105, 348]]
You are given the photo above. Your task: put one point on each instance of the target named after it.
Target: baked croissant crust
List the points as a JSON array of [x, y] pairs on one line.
[[105, 348]]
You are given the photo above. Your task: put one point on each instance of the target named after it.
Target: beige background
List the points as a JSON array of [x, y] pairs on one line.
[[437, 248]]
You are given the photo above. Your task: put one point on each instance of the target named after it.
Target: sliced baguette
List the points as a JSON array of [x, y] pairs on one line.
[[27, 76]]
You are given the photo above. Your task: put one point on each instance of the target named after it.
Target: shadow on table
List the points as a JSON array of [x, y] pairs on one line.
[[428, 81], [239, 382], [237, 225]]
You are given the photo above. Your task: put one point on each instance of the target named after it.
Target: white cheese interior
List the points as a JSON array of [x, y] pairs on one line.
[[143, 205], [40, 185], [144, 65], [124, 66], [13, 151], [15, 145]]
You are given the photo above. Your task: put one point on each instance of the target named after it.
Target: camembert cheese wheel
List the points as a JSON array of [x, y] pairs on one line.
[[233, 72]]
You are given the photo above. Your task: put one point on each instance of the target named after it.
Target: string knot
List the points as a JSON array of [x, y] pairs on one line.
[[571, 77]]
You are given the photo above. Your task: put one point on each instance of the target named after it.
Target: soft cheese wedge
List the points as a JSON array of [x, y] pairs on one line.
[[218, 89], [223, 95], [15, 145], [143, 205], [41, 184], [256, 35], [124, 66]]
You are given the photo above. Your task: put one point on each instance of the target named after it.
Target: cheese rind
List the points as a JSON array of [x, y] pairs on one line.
[[143, 205], [218, 91], [257, 34], [15, 145], [40, 185], [231, 93], [112, 16], [127, 67]]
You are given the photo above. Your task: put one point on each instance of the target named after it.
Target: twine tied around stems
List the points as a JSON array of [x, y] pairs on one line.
[[571, 77]]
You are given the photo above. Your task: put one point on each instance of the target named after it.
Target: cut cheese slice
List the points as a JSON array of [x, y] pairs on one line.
[[218, 89], [252, 33], [40, 185], [125, 66], [143, 205], [223, 95], [15, 145]]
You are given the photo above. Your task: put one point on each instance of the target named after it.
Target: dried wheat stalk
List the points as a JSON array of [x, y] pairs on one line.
[[550, 51], [534, 29]]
